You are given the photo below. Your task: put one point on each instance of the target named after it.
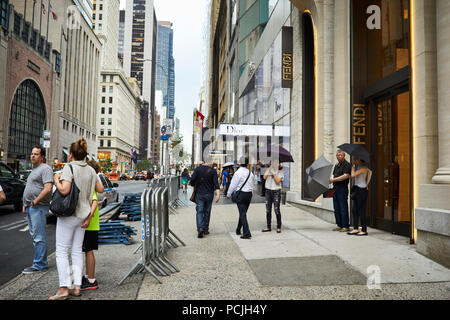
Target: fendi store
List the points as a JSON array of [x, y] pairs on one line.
[[376, 73]]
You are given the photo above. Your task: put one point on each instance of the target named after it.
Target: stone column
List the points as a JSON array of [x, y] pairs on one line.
[[328, 74], [442, 174]]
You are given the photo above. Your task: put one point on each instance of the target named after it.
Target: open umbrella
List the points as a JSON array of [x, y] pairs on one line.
[[356, 150], [228, 164], [318, 177], [275, 152]]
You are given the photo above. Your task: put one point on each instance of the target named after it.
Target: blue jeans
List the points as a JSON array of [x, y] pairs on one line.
[[204, 204], [340, 205], [37, 221]]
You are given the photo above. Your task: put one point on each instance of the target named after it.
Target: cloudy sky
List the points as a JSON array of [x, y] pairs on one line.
[[187, 18]]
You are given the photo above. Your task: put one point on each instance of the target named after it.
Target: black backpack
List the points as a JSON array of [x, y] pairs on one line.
[[64, 206]]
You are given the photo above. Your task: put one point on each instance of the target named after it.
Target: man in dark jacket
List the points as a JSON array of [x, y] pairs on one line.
[[340, 180], [206, 182]]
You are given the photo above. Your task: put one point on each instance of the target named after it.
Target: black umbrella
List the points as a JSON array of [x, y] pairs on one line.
[[318, 177], [356, 150], [276, 152]]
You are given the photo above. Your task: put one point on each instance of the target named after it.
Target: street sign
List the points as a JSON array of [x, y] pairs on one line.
[[163, 129]]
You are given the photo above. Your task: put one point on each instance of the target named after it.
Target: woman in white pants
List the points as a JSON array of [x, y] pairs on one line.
[[69, 231]]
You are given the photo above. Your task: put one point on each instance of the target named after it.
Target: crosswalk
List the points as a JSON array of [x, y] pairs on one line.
[[23, 224]]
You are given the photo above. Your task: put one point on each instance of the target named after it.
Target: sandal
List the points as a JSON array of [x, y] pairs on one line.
[[266, 230], [361, 234], [278, 230], [56, 297], [352, 233], [73, 293]]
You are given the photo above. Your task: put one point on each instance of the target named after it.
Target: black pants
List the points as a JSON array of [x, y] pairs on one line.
[[273, 196], [360, 202], [243, 203]]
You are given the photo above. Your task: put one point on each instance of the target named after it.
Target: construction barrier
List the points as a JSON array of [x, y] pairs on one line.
[[115, 233], [156, 236]]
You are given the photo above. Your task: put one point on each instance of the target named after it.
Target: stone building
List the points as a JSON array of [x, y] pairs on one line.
[[373, 73]]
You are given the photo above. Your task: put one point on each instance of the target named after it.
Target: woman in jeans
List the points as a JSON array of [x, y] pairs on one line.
[[274, 177], [362, 175], [69, 230]]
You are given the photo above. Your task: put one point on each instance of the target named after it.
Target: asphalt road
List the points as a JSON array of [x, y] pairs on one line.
[[16, 246]]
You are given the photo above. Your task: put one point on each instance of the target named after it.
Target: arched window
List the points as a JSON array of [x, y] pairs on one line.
[[308, 99], [27, 119]]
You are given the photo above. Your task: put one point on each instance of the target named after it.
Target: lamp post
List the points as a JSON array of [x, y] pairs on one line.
[[165, 149]]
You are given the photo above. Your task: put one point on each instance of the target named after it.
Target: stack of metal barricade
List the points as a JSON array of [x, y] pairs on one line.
[[157, 201]]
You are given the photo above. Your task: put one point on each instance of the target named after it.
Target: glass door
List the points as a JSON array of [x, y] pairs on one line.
[[392, 168]]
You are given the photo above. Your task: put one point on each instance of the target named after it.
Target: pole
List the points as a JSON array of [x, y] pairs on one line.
[[32, 20], [48, 19], [40, 20], [24, 13]]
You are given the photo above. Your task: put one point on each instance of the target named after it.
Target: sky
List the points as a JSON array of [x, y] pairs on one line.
[[187, 18]]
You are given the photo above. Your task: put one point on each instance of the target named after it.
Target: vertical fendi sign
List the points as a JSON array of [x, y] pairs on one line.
[[287, 62]]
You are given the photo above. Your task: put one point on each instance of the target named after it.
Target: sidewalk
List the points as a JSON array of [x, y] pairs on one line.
[[306, 261]]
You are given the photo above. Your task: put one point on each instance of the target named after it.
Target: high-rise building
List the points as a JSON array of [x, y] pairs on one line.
[[139, 58], [165, 69], [117, 102], [121, 35]]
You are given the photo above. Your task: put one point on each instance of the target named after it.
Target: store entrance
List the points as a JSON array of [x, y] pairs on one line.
[[391, 191]]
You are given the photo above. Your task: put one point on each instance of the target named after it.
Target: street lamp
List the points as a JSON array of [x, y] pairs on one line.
[[165, 150]]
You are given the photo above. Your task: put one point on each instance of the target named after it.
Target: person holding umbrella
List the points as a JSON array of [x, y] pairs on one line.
[[274, 176], [340, 180], [362, 175]]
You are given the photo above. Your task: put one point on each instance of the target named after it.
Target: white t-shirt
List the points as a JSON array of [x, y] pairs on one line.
[[270, 181], [1, 188]]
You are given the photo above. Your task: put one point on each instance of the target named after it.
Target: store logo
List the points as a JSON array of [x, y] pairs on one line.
[[374, 20]]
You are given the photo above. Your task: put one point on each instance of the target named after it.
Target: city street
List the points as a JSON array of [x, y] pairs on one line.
[[16, 247]]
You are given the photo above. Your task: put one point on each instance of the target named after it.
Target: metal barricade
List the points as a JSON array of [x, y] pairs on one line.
[[156, 234], [142, 263]]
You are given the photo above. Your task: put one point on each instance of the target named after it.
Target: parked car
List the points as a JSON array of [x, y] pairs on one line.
[[24, 174], [12, 186], [110, 194], [125, 176]]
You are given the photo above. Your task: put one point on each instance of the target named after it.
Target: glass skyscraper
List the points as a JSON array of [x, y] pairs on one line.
[[165, 68]]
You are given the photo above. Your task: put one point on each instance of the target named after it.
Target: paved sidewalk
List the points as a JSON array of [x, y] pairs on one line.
[[306, 261]]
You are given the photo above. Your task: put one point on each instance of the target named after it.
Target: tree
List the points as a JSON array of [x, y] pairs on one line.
[[143, 165], [106, 165]]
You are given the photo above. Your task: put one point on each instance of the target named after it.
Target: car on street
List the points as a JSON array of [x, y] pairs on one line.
[[12, 186], [140, 176], [110, 194]]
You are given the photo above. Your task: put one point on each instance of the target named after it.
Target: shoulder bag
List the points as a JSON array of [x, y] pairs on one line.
[[194, 193], [64, 206], [235, 194]]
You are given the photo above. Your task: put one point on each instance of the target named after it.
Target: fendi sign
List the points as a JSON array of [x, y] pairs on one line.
[[287, 62]]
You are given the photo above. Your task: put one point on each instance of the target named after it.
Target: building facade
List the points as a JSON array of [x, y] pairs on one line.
[[165, 66], [57, 33], [29, 86], [118, 101], [139, 58], [367, 72]]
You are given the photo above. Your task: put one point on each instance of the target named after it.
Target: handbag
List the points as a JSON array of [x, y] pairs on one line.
[[194, 193], [329, 193], [235, 194], [64, 206]]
